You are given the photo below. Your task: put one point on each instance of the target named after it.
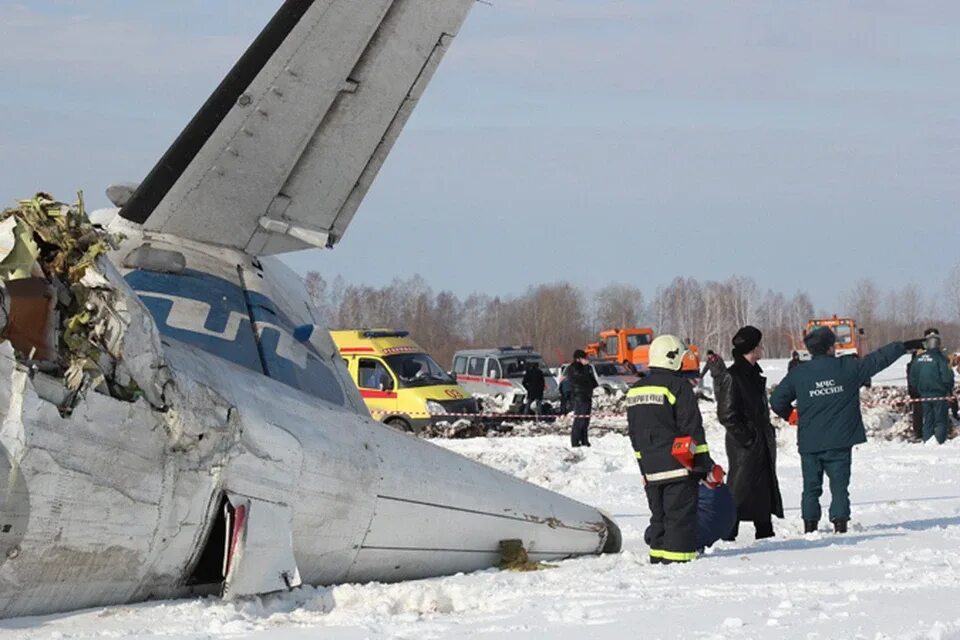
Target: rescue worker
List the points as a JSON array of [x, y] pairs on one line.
[[582, 383], [916, 406], [827, 391], [932, 377], [534, 382], [661, 408], [741, 394]]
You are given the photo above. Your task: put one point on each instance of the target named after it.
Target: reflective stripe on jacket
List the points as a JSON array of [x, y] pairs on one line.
[[660, 408]]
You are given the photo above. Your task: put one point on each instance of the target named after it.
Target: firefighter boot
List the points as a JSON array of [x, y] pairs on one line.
[[839, 526], [810, 526]]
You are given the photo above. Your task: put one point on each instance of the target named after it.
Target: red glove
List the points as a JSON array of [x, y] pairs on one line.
[[794, 417], [715, 478]]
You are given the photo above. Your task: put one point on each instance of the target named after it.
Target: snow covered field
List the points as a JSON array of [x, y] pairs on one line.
[[896, 574]]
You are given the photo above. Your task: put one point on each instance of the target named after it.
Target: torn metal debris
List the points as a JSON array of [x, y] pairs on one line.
[[61, 304]]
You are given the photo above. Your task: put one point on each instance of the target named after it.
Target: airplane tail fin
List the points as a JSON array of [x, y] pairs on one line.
[[284, 150]]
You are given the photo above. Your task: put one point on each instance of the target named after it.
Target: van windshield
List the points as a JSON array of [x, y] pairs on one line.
[[417, 370], [516, 366]]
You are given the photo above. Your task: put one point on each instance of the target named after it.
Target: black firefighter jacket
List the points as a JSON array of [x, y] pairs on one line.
[[742, 408], [661, 407]]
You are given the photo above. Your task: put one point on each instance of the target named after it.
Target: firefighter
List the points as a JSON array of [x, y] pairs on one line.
[[827, 391], [660, 409], [931, 376]]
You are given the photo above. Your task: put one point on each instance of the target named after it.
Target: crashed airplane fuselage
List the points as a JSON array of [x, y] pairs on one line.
[[223, 447]]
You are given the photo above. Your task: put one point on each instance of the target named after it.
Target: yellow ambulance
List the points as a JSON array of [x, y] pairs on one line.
[[401, 384]]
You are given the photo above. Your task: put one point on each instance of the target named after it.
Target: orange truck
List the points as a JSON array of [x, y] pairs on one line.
[[850, 340], [632, 345]]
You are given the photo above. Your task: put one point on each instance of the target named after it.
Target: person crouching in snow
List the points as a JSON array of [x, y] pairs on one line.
[[662, 414], [827, 391]]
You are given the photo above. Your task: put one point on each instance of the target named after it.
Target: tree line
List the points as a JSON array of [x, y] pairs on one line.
[[557, 318]]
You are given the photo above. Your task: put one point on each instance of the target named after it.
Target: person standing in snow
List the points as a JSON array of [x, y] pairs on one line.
[[582, 383], [534, 382], [794, 361], [932, 377], [660, 408], [827, 392], [916, 407], [741, 395]]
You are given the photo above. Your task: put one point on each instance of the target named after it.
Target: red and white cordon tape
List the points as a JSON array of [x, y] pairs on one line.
[[504, 416], [899, 402]]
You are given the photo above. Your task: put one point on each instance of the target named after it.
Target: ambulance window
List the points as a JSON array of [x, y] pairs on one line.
[[460, 364], [371, 374], [475, 368], [493, 368]]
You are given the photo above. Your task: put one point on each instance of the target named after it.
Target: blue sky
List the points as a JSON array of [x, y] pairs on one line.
[[804, 144]]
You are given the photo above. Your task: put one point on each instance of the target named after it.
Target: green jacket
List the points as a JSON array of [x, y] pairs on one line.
[[930, 374], [827, 391]]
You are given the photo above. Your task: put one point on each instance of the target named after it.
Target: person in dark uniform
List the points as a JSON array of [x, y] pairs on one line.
[[742, 408], [661, 408], [794, 361], [827, 392], [932, 378], [534, 382], [916, 407], [582, 383]]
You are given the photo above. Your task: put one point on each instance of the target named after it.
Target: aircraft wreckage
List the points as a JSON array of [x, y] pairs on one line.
[[174, 421]]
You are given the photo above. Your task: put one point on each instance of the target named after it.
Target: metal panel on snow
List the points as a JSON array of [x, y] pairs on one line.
[[259, 555]]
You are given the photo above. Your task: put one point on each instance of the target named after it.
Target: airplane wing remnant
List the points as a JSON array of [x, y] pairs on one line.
[[281, 154]]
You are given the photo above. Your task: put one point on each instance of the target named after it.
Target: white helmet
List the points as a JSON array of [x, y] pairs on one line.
[[667, 352]]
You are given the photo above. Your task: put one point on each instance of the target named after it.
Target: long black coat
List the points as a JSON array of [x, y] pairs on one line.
[[742, 408]]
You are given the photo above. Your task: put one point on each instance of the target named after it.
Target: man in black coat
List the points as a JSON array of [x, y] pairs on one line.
[[534, 383], [742, 408], [582, 383]]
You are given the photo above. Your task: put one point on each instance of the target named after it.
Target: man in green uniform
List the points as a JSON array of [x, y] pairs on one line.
[[931, 376], [827, 392]]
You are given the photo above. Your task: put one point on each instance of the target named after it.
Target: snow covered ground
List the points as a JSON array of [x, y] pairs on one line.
[[896, 574]]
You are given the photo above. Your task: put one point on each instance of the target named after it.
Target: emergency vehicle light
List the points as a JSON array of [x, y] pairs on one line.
[[387, 333], [527, 347]]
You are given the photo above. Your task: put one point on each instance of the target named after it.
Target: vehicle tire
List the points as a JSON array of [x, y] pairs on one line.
[[399, 424]]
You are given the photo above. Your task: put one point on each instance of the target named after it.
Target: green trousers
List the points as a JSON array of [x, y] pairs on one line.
[[836, 464]]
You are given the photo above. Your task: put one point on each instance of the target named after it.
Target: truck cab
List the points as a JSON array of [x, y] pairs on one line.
[[850, 338]]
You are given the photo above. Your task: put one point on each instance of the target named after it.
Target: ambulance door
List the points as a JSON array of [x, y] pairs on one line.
[[378, 386]]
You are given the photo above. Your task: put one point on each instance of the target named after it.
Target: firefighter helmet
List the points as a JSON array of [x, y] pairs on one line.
[[667, 352]]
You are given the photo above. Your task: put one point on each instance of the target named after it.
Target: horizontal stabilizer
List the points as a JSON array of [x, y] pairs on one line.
[[281, 155]]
